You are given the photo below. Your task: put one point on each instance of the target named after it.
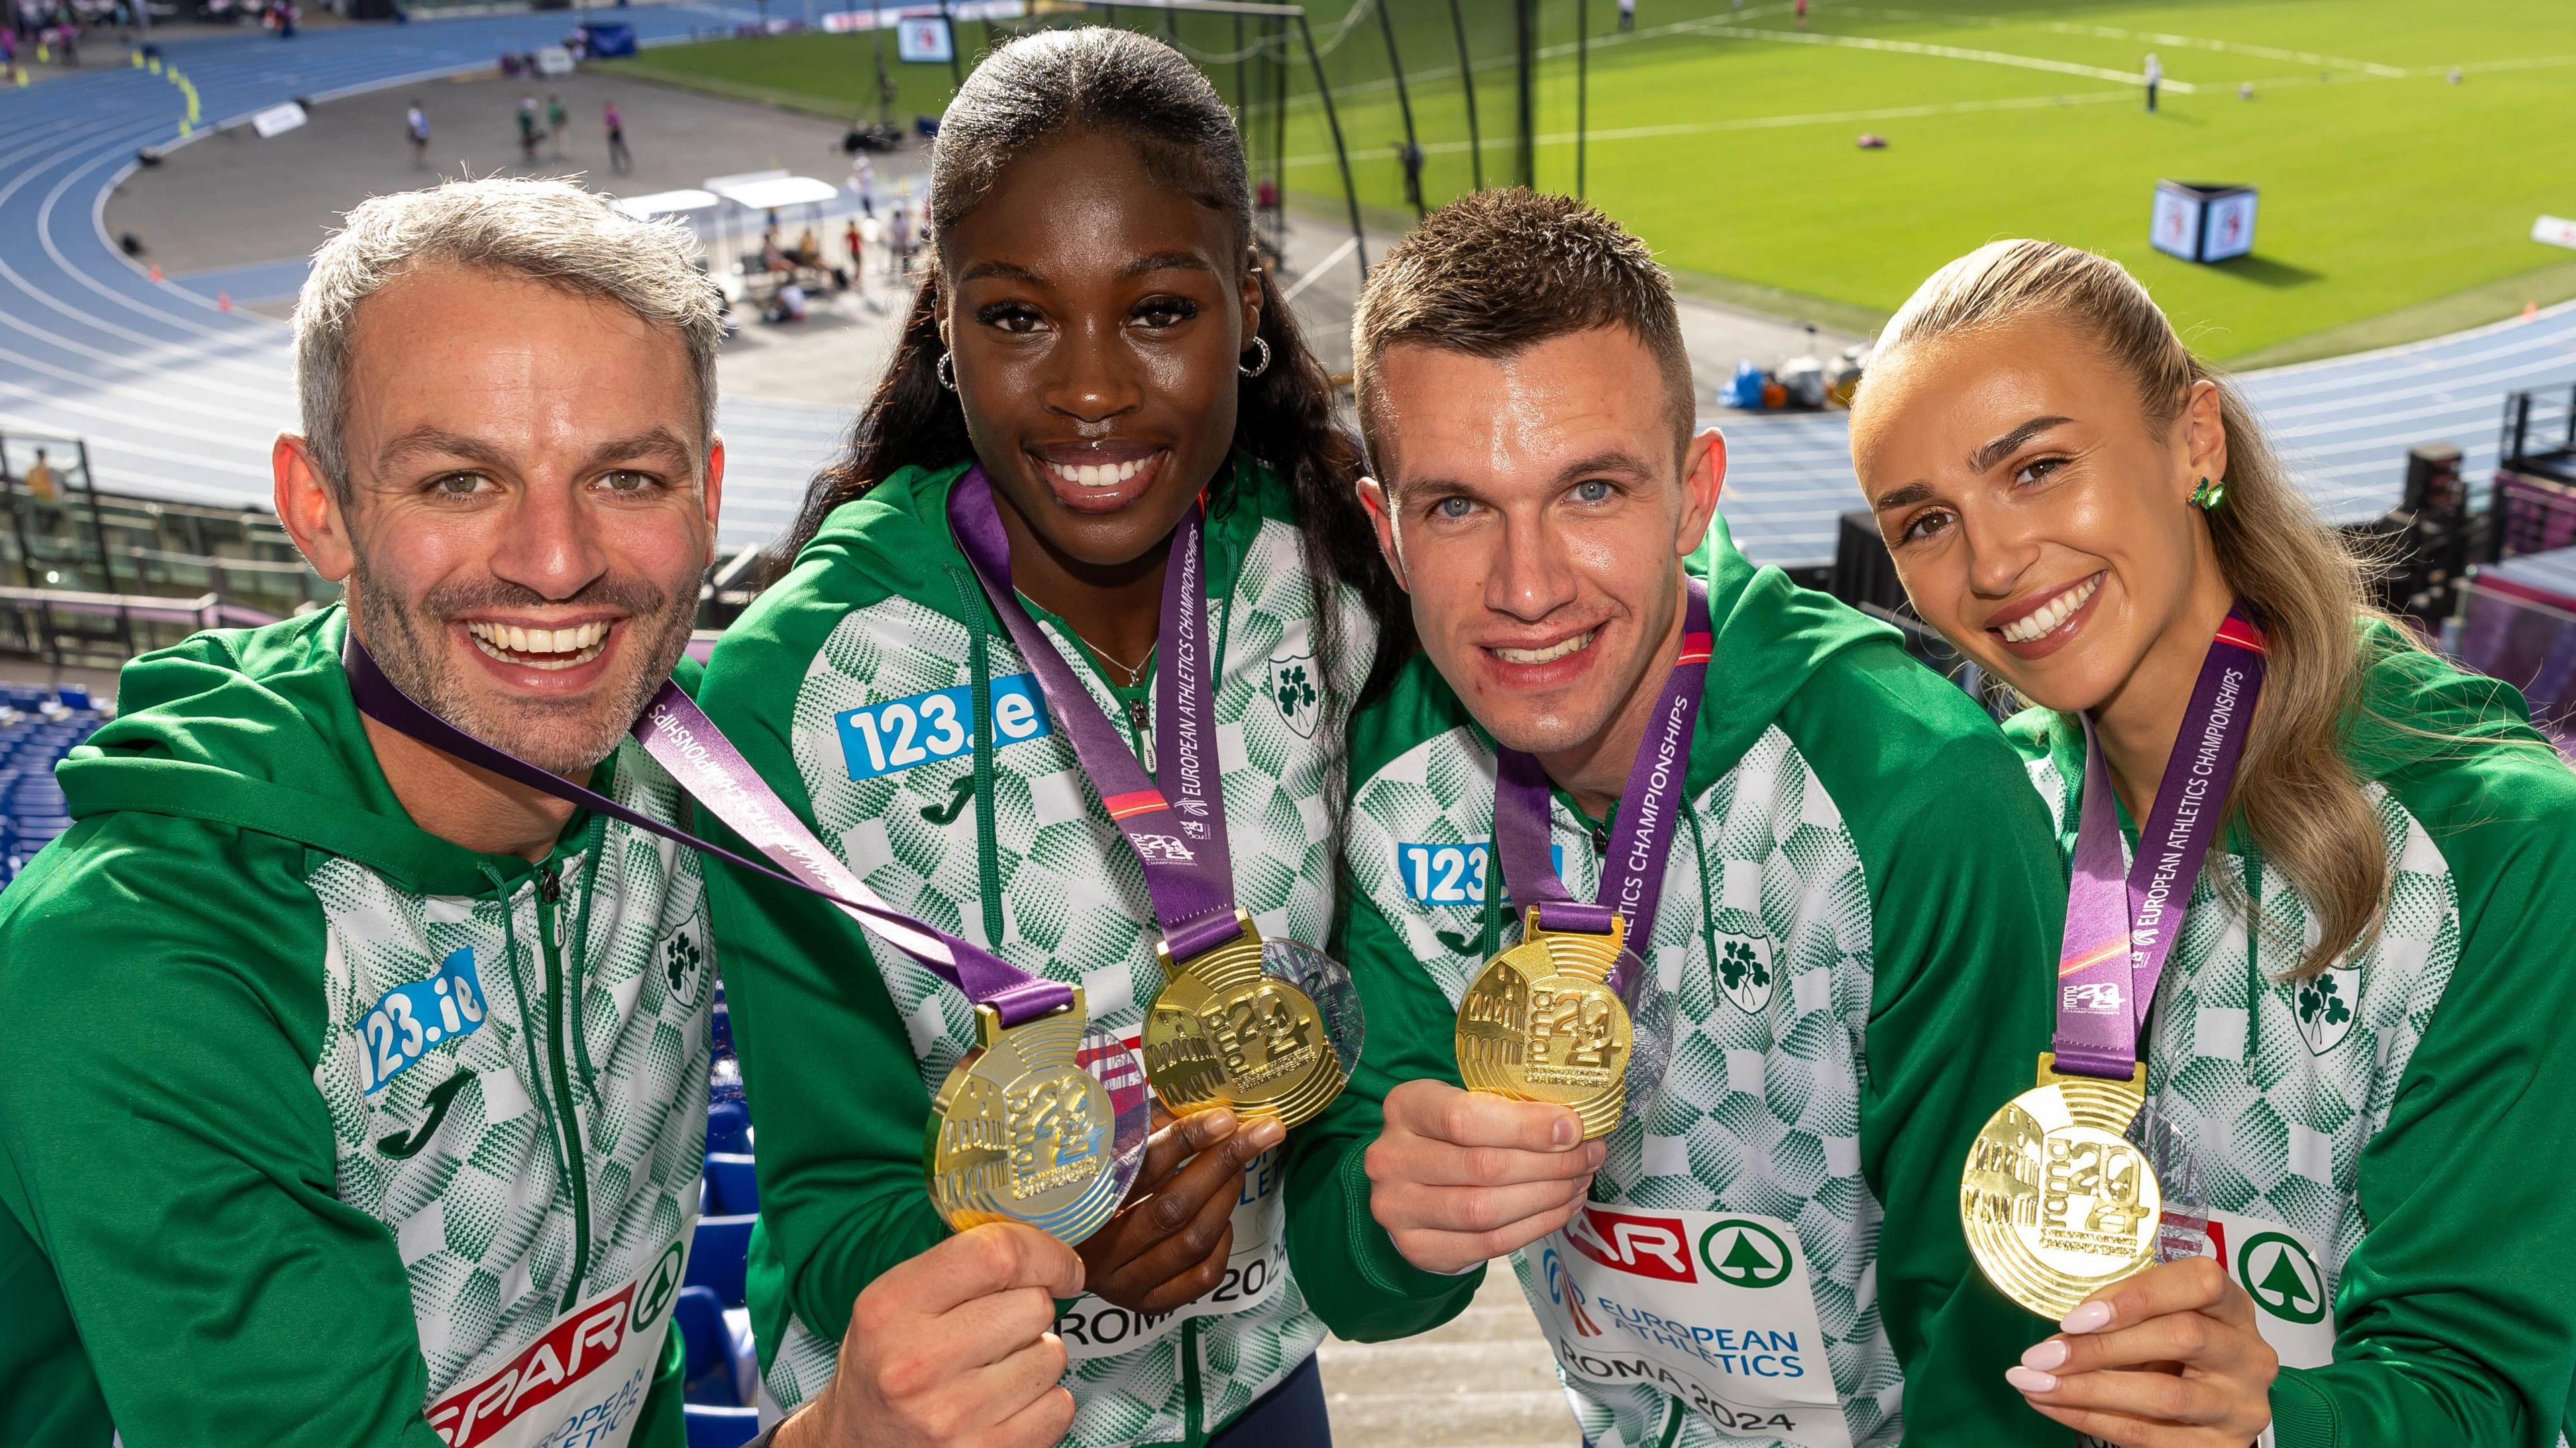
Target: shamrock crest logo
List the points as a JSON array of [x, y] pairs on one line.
[[2325, 1006], [1293, 689], [680, 961], [1744, 971]]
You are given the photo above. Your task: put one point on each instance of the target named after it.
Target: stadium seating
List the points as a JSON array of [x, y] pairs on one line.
[[38, 726]]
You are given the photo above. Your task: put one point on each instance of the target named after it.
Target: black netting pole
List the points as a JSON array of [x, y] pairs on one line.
[[1582, 86], [1412, 157], [956, 62], [1341, 153], [1525, 39], [1242, 81], [1467, 79]]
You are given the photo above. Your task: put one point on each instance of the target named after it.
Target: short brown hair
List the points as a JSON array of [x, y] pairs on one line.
[[1496, 272]]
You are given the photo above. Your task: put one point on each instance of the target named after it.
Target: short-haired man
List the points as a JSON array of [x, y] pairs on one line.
[[1855, 922], [356, 1095]]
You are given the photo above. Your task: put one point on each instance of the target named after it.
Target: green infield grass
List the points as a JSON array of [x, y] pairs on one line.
[[2395, 200]]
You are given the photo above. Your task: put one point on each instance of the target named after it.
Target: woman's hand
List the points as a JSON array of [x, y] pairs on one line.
[[2167, 1359], [1168, 1244]]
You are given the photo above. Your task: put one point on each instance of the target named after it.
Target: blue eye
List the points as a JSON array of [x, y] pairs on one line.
[[1592, 491], [1452, 507]]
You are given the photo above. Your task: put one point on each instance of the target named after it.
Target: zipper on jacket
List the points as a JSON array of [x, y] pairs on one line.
[[558, 1051]]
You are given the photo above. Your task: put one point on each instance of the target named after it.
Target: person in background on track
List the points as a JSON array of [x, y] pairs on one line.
[[416, 130], [2155, 77], [556, 120], [2363, 1026], [620, 159], [1627, 16]]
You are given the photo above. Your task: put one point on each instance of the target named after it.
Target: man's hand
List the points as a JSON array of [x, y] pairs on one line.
[[2169, 1358], [952, 1349], [1168, 1244], [1462, 1177]]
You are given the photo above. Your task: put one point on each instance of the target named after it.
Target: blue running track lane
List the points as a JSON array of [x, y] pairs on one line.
[[178, 399]]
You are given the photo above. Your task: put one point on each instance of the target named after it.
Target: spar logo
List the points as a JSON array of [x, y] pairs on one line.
[[2281, 1277], [1745, 1254], [1562, 1291], [1641, 1246], [577, 1345]]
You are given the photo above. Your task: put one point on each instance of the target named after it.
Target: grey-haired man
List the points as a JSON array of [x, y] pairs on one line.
[[356, 1095]]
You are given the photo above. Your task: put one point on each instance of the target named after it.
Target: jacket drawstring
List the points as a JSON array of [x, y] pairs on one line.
[[527, 1035]]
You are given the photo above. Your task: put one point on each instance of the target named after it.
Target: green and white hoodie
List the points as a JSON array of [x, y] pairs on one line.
[[2384, 1143], [875, 690], [322, 1130], [1856, 929]]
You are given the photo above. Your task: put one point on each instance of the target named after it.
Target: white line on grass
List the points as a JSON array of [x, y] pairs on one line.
[[1945, 52]]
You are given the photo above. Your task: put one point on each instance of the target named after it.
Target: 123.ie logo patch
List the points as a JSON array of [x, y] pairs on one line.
[[407, 1021]]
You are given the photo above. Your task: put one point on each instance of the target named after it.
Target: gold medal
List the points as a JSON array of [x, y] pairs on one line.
[[1020, 1132], [2058, 1203], [1541, 1023], [1224, 1033]]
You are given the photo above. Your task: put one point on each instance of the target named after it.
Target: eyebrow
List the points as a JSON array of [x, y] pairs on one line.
[[1903, 497], [1007, 271], [1166, 261], [2004, 446], [434, 441], [1616, 461]]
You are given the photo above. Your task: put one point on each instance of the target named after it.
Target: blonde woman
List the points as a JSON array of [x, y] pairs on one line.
[[2357, 1025]]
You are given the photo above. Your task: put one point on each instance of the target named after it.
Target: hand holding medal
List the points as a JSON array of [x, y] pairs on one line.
[[1572, 1014], [1265, 1028], [2076, 1184]]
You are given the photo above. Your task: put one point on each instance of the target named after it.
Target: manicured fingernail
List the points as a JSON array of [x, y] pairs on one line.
[[2028, 1381], [1566, 1132], [2046, 1355], [1267, 1133], [1219, 1122], [2091, 1317]]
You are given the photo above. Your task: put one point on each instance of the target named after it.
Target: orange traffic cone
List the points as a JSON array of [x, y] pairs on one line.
[[223, 301], [156, 273]]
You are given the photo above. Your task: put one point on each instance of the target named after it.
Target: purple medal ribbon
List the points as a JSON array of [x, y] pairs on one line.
[[2121, 926], [1632, 878], [1178, 833], [686, 742]]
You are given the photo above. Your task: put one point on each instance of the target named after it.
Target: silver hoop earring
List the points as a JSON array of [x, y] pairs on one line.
[[945, 369], [1262, 345]]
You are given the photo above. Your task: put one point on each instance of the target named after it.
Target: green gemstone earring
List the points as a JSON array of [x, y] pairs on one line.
[[2208, 495]]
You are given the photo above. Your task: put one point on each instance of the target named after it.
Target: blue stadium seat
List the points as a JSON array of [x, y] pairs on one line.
[[707, 1345], [731, 1188], [717, 1256], [721, 1427], [729, 1127]]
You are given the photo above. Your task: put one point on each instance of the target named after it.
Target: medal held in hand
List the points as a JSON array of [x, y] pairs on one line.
[[2077, 1183], [1572, 1014], [1541, 1023], [1261, 1027], [1021, 1131], [1043, 1121]]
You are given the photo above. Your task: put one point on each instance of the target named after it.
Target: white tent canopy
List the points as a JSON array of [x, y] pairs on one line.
[[667, 203], [768, 193]]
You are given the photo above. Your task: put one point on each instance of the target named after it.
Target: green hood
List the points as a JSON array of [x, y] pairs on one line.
[[255, 728], [1771, 637]]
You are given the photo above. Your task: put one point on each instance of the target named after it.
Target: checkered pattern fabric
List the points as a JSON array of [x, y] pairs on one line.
[[1073, 904], [2282, 1083], [481, 1211], [1763, 942]]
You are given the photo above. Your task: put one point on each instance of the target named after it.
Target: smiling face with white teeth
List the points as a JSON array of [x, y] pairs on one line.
[[1538, 512], [529, 508], [2038, 515]]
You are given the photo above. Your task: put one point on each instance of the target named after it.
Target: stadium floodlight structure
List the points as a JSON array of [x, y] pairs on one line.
[[1271, 36]]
